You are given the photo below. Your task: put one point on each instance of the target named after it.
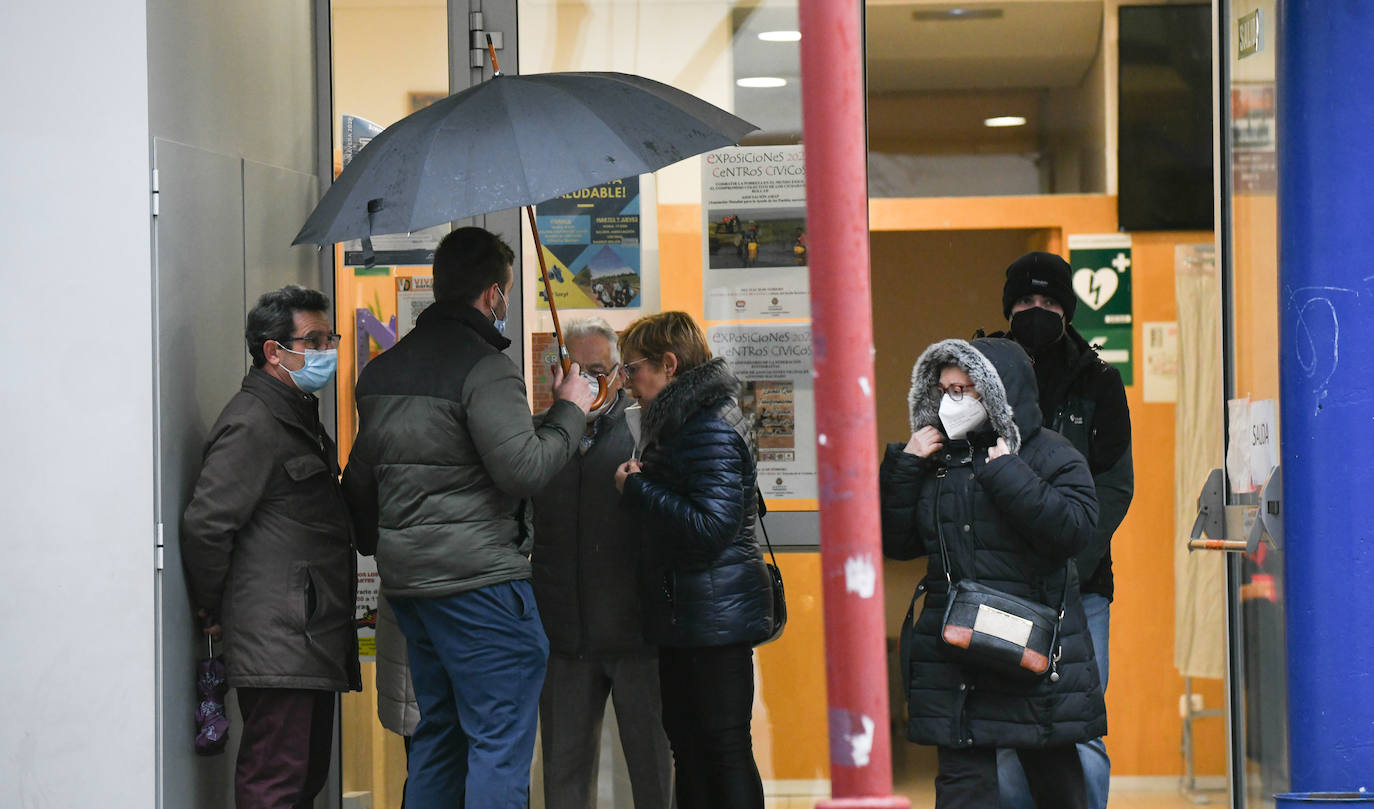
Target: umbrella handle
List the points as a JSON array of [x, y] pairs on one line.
[[564, 358]]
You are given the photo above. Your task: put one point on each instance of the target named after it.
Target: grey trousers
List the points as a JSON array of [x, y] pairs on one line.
[[570, 711]]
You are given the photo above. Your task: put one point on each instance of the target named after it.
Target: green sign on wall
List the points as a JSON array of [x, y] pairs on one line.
[[1101, 267]]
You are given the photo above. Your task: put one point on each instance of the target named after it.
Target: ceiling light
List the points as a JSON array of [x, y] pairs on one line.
[[761, 81], [780, 36], [1005, 120], [951, 14]]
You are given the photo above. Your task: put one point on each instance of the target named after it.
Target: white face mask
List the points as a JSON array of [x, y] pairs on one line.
[[962, 417], [593, 415]]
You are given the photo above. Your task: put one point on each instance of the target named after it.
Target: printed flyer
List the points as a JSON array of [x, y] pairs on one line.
[[591, 243], [391, 249], [774, 362], [365, 609], [414, 294], [754, 255]]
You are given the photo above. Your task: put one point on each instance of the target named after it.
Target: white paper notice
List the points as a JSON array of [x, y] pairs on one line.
[[1161, 361], [755, 251], [414, 294], [1238, 446], [774, 362], [1264, 440]]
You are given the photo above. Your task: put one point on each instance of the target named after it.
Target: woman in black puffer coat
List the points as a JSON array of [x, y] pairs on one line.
[[706, 591], [1014, 503]]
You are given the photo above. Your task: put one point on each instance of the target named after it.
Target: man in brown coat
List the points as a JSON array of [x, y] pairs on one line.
[[267, 546]]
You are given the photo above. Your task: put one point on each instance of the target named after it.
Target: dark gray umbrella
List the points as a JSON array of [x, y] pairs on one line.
[[514, 141]]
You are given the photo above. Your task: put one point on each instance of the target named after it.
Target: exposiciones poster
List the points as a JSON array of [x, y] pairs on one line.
[[755, 249], [774, 362]]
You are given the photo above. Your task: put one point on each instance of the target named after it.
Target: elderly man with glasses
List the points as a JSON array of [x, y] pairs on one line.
[[586, 557], [268, 548]]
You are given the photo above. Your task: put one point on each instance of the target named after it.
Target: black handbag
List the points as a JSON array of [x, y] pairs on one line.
[[999, 631], [774, 581]]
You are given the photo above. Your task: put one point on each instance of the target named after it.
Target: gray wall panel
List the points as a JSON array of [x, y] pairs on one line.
[[236, 78], [271, 199]]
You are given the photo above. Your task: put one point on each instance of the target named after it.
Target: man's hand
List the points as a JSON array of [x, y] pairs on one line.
[[925, 442], [999, 449], [630, 467], [572, 387], [208, 625]]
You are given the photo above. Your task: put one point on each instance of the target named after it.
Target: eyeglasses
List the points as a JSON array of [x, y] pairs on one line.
[[955, 391], [316, 342], [630, 369], [599, 373]]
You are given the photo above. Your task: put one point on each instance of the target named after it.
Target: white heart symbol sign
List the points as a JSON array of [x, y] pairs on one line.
[[1095, 288]]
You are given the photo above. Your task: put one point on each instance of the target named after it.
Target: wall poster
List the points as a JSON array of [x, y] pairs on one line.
[[591, 241], [1102, 281], [754, 255], [414, 294], [774, 362]]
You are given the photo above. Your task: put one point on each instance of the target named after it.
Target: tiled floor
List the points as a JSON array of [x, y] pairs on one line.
[[923, 797]]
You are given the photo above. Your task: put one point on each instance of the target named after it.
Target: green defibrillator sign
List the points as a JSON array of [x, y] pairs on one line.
[[1101, 266]]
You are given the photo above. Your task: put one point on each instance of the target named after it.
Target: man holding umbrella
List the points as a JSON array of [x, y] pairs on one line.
[[438, 480]]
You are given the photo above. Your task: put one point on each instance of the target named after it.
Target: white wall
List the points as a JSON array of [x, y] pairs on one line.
[[76, 479]]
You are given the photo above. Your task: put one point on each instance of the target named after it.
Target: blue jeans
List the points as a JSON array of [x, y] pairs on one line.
[[477, 662], [1097, 767]]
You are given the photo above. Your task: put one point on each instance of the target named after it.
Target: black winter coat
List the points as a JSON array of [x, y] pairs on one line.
[[703, 579], [1011, 523], [587, 549], [1083, 399]]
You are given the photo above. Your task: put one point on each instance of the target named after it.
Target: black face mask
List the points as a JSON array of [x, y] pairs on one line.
[[1037, 329]]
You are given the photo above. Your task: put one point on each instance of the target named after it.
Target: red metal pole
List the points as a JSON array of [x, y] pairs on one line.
[[847, 440]]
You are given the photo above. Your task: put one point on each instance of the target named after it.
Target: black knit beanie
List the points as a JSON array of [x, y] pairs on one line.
[[1040, 274]]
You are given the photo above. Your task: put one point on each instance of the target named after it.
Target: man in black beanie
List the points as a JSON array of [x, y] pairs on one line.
[[1084, 400]]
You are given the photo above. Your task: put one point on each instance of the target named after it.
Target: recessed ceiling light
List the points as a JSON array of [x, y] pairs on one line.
[[761, 81], [780, 36], [950, 14], [1005, 120]]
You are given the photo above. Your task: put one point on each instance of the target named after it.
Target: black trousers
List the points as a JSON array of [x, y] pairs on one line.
[[708, 701], [967, 778], [284, 747]]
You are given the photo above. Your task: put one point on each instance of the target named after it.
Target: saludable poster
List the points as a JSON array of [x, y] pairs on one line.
[[774, 363], [755, 248], [591, 244]]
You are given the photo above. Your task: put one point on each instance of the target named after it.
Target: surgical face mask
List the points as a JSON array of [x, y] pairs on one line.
[[1037, 329], [962, 417], [593, 415], [318, 369], [500, 322]]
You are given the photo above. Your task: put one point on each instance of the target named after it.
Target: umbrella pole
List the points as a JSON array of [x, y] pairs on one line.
[[563, 358]]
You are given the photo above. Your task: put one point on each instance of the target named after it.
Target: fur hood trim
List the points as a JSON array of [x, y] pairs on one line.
[[924, 401], [691, 391]]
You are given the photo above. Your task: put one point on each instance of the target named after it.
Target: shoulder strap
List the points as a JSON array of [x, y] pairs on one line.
[[763, 509]]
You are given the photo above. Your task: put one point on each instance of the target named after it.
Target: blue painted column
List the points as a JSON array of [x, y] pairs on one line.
[[1326, 300]]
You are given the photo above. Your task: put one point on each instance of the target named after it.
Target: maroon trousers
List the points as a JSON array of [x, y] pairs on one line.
[[284, 747]]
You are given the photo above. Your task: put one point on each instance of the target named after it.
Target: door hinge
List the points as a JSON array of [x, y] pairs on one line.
[[155, 192], [477, 40], [158, 549]]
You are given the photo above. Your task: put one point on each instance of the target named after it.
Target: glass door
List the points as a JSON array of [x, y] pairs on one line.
[[1249, 271]]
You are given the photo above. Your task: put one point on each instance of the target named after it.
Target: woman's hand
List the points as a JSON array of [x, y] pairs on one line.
[[623, 472], [999, 449], [925, 442]]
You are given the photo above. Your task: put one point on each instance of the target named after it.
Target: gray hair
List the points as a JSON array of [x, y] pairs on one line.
[[593, 325]]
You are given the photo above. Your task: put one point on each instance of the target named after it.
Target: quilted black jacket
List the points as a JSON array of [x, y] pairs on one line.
[[703, 580], [1011, 523]]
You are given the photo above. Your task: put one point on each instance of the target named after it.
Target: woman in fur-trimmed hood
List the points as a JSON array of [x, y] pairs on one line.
[[706, 593], [1014, 503]]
